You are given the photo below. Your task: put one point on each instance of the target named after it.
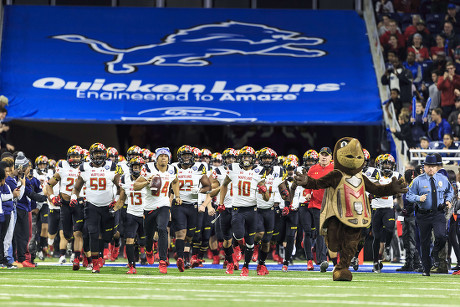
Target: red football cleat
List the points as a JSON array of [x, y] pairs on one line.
[[107, 253], [264, 268], [150, 257], [210, 254], [163, 267], [310, 265], [132, 270], [114, 253], [101, 262], [180, 264], [76, 264], [216, 259], [195, 262], [456, 272], [96, 267], [237, 253], [285, 268], [255, 254], [27, 264], [244, 272], [85, 262], [259, 270], [229, 268], [275, 256]]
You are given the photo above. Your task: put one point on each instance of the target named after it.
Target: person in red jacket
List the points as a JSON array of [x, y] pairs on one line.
[[324, 166], [447, 84]]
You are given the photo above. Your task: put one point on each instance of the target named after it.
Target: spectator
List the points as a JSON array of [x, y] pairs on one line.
[[4, 129], [421, 52], [419, 125], [438, 126], [406, 6], [447, 84], [456, 129], [451, 39], [393, 45], [452, 17], [393, 30], [448, 143], [406, 131], [440, 47], [384, 25], [414, 67], [452, 118], [395, 101], [424, 144], [410, 30], [397, 77], [3, 101], [384, 7], [435, 94]]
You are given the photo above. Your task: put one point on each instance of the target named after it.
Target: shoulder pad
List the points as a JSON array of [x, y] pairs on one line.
[[113, 167], [175, 169], [202, 168], [60, 164], [230, 167], [122, 179], [82, 167], [147, 168], [217, 170]]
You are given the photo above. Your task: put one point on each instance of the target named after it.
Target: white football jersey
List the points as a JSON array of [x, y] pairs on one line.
[[135, 199], [300, 191], [244, 186], [219, 174], [201, 196], [375, 175], [189, 181], [123, 167], [161, 198], [69, 176], [99, 183], [272, 181], [44, 178]]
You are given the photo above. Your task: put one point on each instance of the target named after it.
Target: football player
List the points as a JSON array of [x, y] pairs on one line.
[[41, 172], [383, 216], [184, 209], [274, 181], [247, 181], [134, 224], [71, 216], [224, 222], [98, 176], [290, 214], [310, 158], [157, 203]]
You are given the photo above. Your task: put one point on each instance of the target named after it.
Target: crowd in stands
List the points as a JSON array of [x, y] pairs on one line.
[[420, 42]]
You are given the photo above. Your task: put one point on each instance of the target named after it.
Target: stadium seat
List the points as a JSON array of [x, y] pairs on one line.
[[434, 18], [434, 28], [31, 2], [232, 3], [137, 3], [184, 3], [85, 2], [435, 144]]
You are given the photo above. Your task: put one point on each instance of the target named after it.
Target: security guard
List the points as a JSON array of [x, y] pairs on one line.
[[431, 192]]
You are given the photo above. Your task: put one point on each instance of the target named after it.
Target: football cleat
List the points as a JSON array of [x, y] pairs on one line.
[[255, 254], [107, 253], [163, 267], [237, 253], [101, 262], [229, 268], [195, 262], [275, 256], [285, 268], [132, 270], [40, 255], [96, 267], [89, 267], [355, 263], [244, 272], [456, 272], [114, 253], [150, 258], [310, 265], [216, 259], [76, 264], [27, 264], [61, 260], [180, 264], [376, 267], [264, 268], [187, 265], [85, 262]]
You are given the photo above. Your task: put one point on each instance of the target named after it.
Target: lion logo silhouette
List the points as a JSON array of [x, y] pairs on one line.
[[197, 45]]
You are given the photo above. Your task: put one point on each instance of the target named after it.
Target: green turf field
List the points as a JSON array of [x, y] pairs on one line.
[[60, 286]]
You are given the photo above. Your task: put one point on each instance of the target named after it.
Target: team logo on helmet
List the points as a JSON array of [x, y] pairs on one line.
[[185, 155]]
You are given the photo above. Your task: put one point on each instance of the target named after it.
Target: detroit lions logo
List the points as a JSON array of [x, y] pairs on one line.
[[195, 46]]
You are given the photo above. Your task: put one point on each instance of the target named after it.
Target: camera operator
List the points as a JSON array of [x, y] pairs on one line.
[[398, 77]]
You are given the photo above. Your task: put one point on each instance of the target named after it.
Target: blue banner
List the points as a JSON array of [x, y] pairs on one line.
[[141, 65]]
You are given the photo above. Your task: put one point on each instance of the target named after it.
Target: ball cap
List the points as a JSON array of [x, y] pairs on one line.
[[326, 150]]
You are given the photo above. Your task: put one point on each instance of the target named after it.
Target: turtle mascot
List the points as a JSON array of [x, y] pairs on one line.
[[345, 209]]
